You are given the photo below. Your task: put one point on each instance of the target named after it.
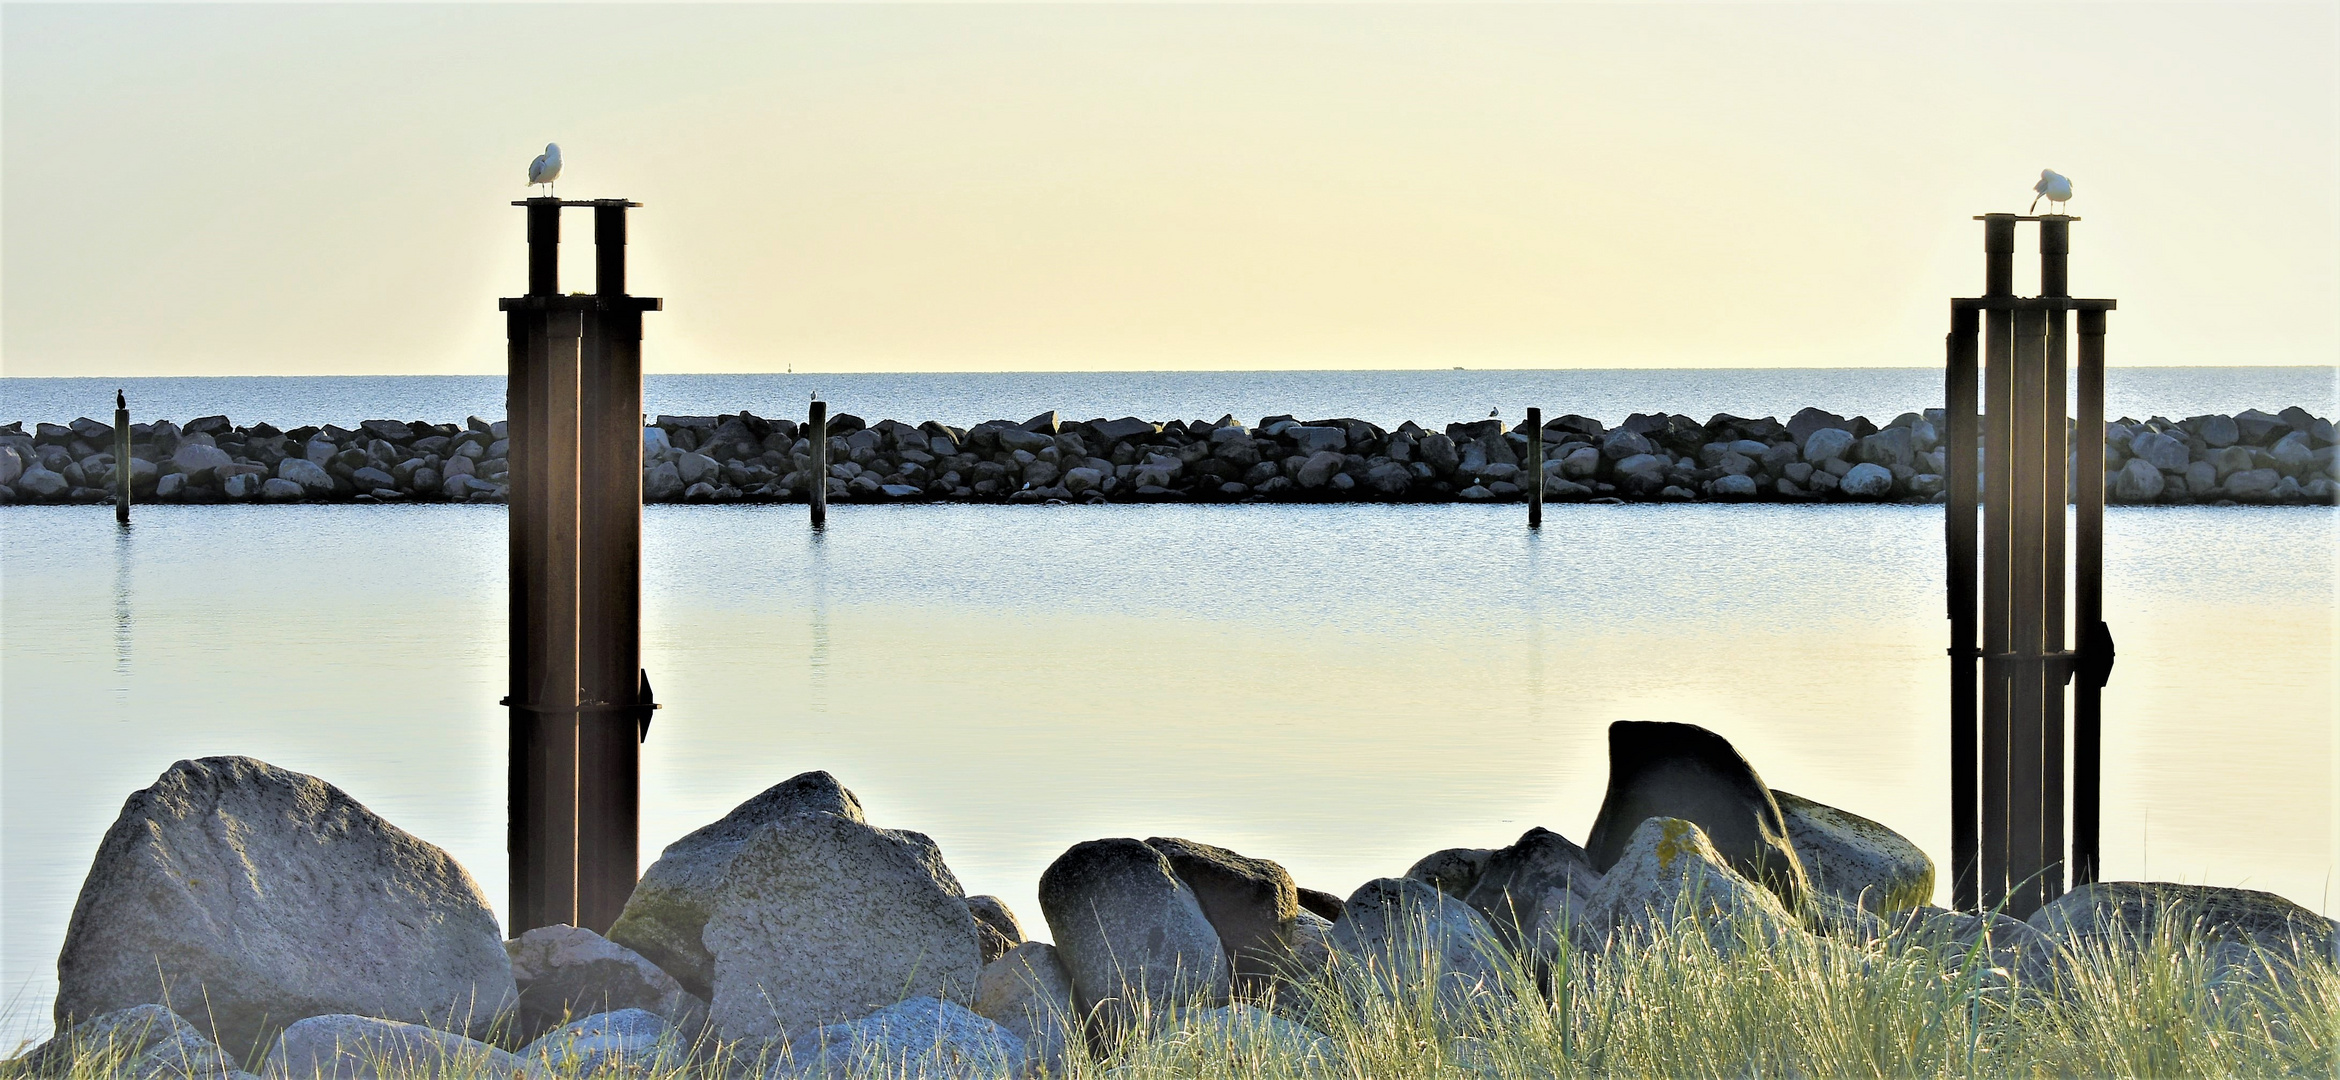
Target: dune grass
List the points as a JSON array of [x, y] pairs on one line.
[[1683, 1002]]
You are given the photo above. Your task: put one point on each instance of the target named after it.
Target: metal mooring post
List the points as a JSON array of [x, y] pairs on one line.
[[577, 692], [1535, 486], [123, 472], [2008, 842], [816, 436]]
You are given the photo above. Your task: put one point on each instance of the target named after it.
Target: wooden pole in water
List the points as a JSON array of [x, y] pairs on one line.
[[1965, 804], [2094, 639], [816, 426], [1535, 487], [122, 468], [1997, 544]]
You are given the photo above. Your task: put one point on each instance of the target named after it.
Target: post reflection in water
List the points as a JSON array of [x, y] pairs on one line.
[[122, 635]]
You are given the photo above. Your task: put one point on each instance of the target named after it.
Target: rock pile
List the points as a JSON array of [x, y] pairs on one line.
[[238, 913], [2251, 457]]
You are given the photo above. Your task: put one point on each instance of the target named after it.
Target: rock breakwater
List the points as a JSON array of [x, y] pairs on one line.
[[2286, 458]]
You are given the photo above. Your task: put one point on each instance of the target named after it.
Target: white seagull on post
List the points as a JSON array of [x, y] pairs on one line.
[[2053, 186], [546, 167]]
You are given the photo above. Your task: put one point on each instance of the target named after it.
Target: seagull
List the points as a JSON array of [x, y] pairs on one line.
[[547, 166], [2053, 186], [1493, 411]]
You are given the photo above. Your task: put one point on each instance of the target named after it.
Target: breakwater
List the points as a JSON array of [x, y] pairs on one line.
[[2250, 457]]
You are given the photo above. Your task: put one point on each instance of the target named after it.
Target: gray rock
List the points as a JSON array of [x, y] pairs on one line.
[[1827, 443], [1249, 1033], [1621, 443], [1732, 487], [11, 466], [370, 478], [1318, 470], [655, 441], [42, 482], [1667, 770], [197, 460], [2257, 427], [668, 911], [2160, 451], [2253, 483], [348, 1047], [997, 928], [565, 972], [1403, 934], [1517, 878], [1250, 903], [1580, 463], [282, 491], [1132, 935], [226, 880], [1649, 464], [1891, 448], [1867, 480], [308, 474], [2201, 478], [1389, 478], [1082, 479], [1029, 993], [241, 486], [2217, 431], [1855, 859], [143, 1042], [1315, 440], [695, 467], [2242, 930], [2292, 453], [1670, 875], [1030, 442], [821, 919], [2012, 949], [662, 483], [2137, 481], [169, 486], [922, 1036], [623, 1040], [1475, 493], [1453, 871]]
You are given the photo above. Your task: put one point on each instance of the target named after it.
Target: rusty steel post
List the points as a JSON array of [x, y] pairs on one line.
[[2054, 249], [2088, 607], [1535, 485], [1959, 399], [123, 472], [542, 430], [2026, 616], [609, 590], [1998, 555], [816, 427]]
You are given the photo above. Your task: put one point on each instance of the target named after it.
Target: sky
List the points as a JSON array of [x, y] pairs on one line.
[[296, 189]]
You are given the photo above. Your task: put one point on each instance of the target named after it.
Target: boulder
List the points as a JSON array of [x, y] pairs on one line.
[[2137, 481], [1826, 443], [2012, 949], [2160, 451], [1890, 448], [691, 468], [923, 1036], [2256, 427], [282, 491], [1453, 871], [665, 916], [2216, 431], [1312, 946], [1318, 470], [662, 482], [1684, 771], [1402, 934], [1132, 935], [241, 486], [2292, 453], [43, 482], [996, 928], [1513, 886], [565, 972], [143, 1042], [1326, 905], [2247, 484], [2242, 930], [1316, 440], [1733, 487], [821, 919], [1867, 480], [311, 476], [1248, 1033], [624, 1040], [198, 460], [344, 1047], [1029, 993], [1855, 859], [1670, 875], [1623, 443], [1250, 903], [227, 880]]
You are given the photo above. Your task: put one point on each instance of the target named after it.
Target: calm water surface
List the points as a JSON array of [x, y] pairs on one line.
[[1339, 688]]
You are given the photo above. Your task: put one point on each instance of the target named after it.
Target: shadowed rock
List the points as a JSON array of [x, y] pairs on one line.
[[1029, 993], [1516, 879], [1854, 859], [625, 1040], [1670, 874], [567, 972], [142, 1042], [921, 1037], [264, 896], [668, 911], [1402, 934], [1685, 771], [1453, 871], [343, 1047], [1324, 905], [1250, 903], [995, 926], [1132, 935], [2242, 929], [822, 919]]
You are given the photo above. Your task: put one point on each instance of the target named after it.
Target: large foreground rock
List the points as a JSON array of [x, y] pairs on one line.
[[1512, 889], [261, 896], [822, 919], [142, 1042], [1250, 902], [1402, 934], [667, 914], [1670, 876], [1854, 859], [567, 972], [1685, 771], [342, 1047], [2242, 929], [1131, 933], [920, 1037], [1029, 993]]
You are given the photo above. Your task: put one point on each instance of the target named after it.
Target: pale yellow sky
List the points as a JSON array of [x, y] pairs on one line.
[[311, 189]]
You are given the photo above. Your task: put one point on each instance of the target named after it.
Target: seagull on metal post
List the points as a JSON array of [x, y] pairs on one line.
[[546, 168], [2053, 186]]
